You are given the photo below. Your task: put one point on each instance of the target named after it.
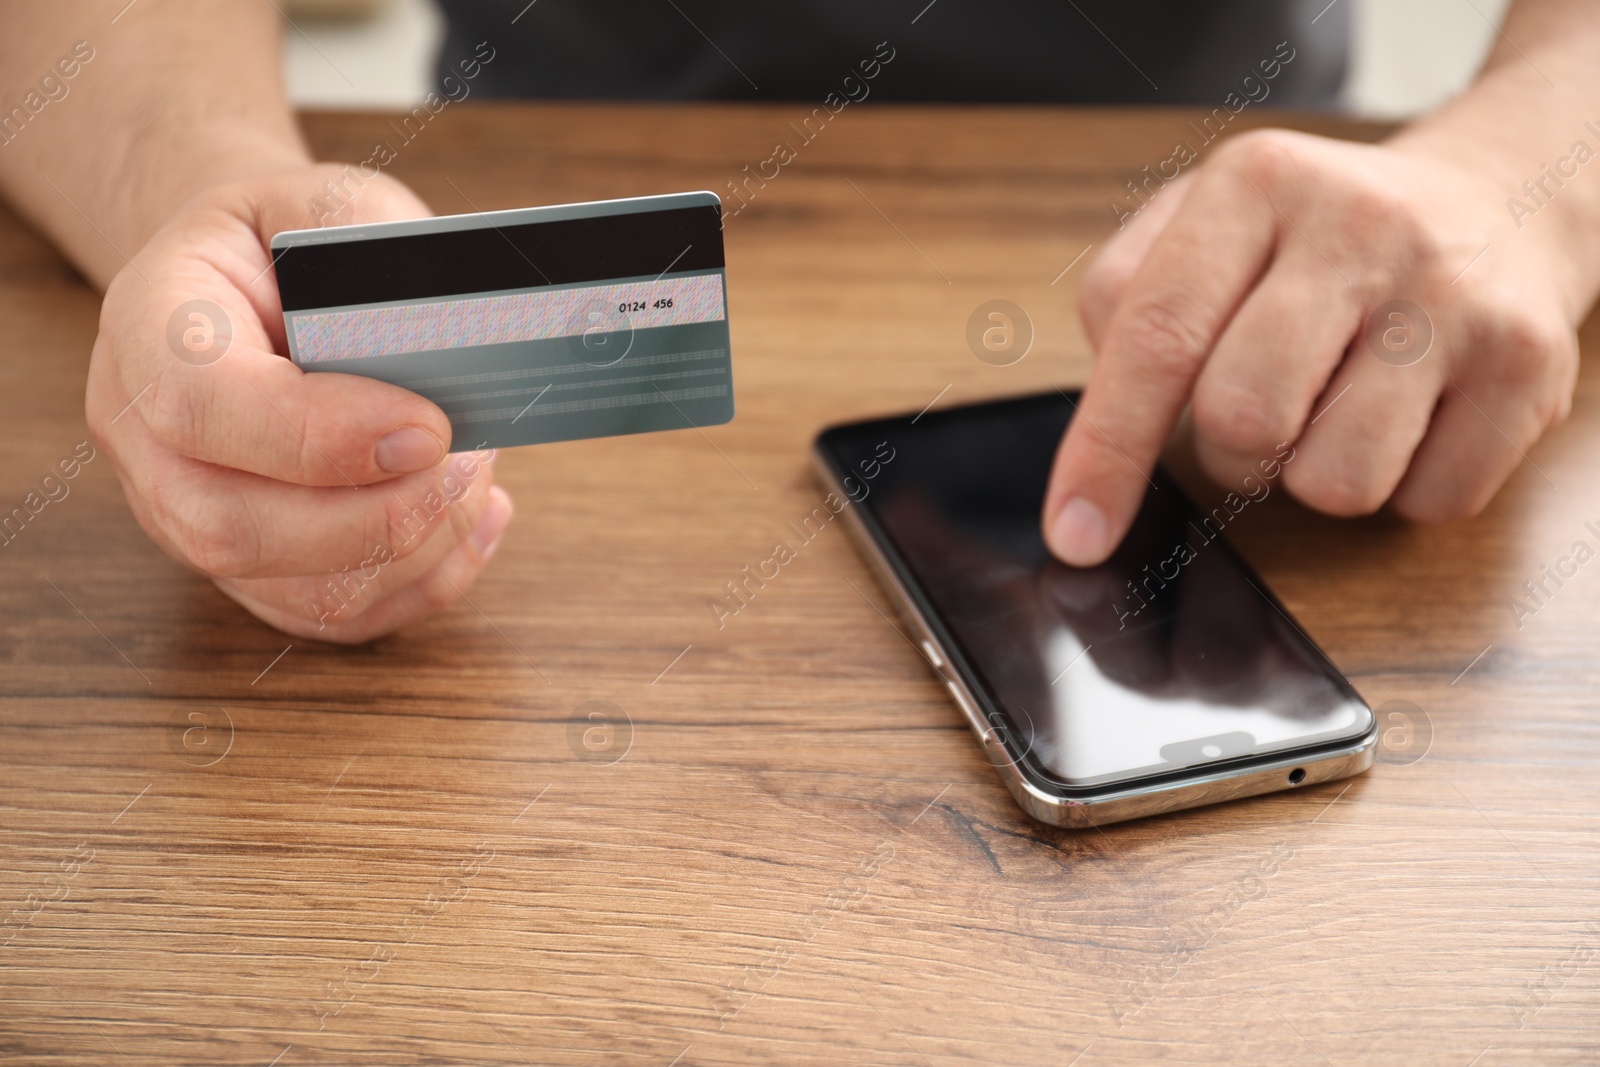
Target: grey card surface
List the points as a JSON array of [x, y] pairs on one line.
[[541, 324]]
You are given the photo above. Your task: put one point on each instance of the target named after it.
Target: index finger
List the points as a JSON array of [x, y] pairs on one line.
[[1195, 276]]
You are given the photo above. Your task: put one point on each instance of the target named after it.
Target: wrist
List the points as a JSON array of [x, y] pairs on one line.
[[153, 187], [1537, 182]]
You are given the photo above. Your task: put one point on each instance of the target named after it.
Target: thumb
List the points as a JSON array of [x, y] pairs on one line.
[[330, 194], [311, 197]]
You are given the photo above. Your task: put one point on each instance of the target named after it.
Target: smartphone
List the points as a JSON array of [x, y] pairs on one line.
[[1167, 677]]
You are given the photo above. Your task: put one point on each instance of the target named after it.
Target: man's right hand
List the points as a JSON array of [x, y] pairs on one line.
[[325, 504]]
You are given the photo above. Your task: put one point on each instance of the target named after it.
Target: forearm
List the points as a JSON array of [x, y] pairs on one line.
[[176, 96], [1536, 99]]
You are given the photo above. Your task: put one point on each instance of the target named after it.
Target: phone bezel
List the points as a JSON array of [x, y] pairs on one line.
[[1040, 792]]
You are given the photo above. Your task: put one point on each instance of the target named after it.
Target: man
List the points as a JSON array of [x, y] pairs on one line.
[[953, 51], [164, 163]]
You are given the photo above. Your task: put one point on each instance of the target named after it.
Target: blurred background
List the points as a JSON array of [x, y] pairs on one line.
[[1410, 55]]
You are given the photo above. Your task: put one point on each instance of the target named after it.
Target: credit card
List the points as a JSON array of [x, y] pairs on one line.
[[526, 326]]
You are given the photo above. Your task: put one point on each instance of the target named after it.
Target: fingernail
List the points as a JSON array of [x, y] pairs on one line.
[[492, 523], [407, 450], [1078, 534]]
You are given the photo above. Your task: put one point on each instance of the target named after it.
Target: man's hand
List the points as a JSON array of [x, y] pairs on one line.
[[323, 503], [1250, 288]]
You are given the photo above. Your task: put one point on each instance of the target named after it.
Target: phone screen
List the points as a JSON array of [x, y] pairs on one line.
[[1169, 656]]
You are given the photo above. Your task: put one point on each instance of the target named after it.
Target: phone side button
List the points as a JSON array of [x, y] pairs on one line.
[[970, 712], [932, 654]]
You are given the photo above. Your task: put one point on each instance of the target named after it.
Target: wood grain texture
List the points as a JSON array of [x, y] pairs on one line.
[[406, 855]]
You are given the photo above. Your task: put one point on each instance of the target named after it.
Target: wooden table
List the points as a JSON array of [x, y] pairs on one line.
[[220, 846]]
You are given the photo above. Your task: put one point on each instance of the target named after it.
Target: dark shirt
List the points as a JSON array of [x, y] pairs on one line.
[[991, 51]]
